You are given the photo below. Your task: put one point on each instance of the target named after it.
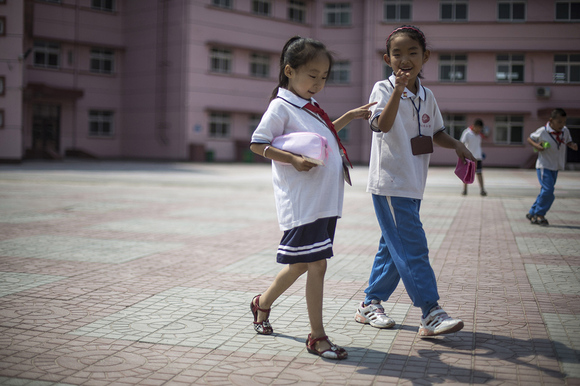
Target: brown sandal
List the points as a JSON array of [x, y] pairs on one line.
[[334, 352], [264, 326]]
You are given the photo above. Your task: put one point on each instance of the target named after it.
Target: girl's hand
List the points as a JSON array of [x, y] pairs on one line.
[[573, 146], [463, 152], [362, 111], [301, 164], [401, 80]]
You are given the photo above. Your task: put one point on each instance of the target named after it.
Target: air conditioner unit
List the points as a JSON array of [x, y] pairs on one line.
[[543, 92]]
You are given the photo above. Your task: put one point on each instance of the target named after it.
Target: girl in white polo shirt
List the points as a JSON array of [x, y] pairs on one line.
[[406, 121], [308, 197]]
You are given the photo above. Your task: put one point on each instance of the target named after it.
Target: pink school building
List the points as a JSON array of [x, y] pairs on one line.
[[189, 79]]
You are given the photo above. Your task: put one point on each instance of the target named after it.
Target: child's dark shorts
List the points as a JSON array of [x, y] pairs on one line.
[[308, 243]]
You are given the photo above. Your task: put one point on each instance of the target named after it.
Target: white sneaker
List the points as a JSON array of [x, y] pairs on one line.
[[438, 322], [373, 314]]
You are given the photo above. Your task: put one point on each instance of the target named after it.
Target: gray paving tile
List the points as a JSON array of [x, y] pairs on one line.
[[554, 279], [548, 246], [564, 330], [82, 249], [180, 227], [14, 282]]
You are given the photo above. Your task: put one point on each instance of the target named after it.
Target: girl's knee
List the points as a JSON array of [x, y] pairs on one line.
[[317, 266]]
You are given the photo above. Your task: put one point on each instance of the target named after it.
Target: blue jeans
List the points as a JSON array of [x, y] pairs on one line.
[[403, 254], [546, 197]]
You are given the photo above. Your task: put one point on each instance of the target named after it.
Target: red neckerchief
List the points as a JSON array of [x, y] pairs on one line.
[[317, 110], [559, 136]]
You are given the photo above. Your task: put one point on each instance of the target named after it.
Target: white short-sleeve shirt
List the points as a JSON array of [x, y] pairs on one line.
[[472, 141], [553, 158], [301, 197], [394, 170]]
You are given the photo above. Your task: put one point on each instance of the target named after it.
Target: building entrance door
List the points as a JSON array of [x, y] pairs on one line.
[[574, 125], [46, 131]]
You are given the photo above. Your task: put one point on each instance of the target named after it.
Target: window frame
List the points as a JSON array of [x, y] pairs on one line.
[[511, 122], [398, 4], [261, 7], [511, 62], [569, 11], [2, 25], [2, 85], [453, 4], [341, 68], [338, 11], [453, 62], [511, 4], [569, 64], [298, 7], [220, 56], [225, 4], [455, 124], [102, 6], [47, 49], [102, 56], [2, 118], [219, 125], [100, 118], [259, 60]]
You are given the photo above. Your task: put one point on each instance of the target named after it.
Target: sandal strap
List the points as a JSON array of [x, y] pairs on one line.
[[257, 304]]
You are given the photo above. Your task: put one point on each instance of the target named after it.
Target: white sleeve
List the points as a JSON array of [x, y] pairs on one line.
[[380, 94], [272, 123]]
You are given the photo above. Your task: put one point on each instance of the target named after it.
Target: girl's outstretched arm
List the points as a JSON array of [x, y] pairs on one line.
[[359, 112], [445, 140]]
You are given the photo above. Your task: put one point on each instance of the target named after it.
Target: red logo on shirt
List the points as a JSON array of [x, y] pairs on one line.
[[425, 118]]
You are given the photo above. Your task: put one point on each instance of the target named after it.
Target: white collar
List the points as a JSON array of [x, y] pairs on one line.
[[408, 94], [550, 130], [294, 99]]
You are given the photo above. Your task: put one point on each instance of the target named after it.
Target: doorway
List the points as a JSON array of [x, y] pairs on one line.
[[573, 124], [45, 131]]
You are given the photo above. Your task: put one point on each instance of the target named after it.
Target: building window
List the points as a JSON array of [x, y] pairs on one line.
[[262, 7], [100, 123], [455, 124], [52, 1], [103, 5], [509, 130], [260, 65], [340, 73], [220, 60], [46, 54], [297, 11], [567, 68], [397, 10], [219, 125], [2, 85], [337, 14], [344, 134], [222, 3], [453, 10], [452, 68], [511, 10], [2, 25], [1, 119], [102, 61], [567, 10], [510, 68], [253, 122]]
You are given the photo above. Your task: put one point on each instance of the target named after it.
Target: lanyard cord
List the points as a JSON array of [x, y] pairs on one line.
[[418, 118]]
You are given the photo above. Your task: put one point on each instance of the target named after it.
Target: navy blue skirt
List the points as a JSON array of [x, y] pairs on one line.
[[308, 243]]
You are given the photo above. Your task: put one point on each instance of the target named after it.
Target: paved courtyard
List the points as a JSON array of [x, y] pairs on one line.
[[128, 273]]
